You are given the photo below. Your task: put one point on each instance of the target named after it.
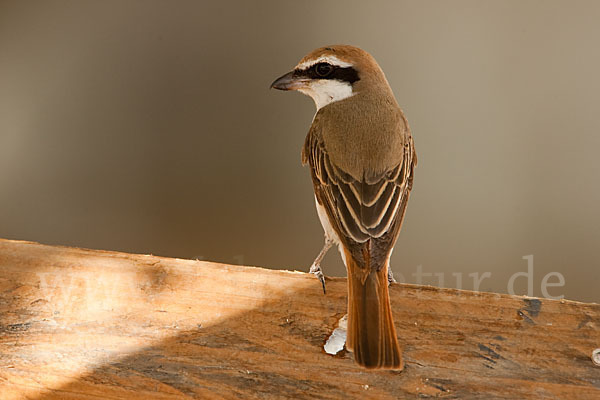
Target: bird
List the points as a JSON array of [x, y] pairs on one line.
[[362, 158]]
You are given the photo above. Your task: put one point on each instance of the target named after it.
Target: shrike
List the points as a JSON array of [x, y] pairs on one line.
[[362, 158]]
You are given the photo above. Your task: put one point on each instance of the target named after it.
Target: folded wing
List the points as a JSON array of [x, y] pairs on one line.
[[366, 212]]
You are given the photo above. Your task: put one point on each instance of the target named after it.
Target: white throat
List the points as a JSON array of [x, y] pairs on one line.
[[326, 91]]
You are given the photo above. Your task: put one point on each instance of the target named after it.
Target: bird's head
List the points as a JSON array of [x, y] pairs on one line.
[[333, 73]]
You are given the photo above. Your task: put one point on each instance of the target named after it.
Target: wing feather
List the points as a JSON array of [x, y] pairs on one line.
[[363, 212]]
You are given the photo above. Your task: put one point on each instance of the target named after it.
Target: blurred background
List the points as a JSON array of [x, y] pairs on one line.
[[149, 127]]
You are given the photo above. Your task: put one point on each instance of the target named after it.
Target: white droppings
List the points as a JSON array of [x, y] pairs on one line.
[[596, 357], [337, 340]]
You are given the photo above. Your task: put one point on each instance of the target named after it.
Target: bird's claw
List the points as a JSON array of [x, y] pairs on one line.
[[390, 277], [316, 271]]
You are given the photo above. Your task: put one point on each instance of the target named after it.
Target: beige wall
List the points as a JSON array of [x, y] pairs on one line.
[[149, 127]]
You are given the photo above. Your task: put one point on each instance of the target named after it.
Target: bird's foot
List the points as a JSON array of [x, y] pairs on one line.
[[315, 269], [390, 277]]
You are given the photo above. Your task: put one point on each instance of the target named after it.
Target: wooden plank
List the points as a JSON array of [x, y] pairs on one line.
[[84, 324]]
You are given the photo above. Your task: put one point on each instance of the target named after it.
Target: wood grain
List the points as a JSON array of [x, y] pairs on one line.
[[85, 324]]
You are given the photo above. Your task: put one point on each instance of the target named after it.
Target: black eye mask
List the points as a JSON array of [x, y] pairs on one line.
[[325, 70]]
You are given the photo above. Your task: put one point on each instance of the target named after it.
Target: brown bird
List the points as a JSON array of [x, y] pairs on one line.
[[361, 158]]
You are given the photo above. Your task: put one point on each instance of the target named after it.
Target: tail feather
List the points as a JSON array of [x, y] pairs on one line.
[[371, 331]]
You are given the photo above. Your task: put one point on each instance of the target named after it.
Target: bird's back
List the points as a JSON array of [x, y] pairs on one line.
[[363, 150]]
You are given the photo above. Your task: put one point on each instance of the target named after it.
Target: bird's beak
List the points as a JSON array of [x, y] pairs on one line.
[[289, 81]]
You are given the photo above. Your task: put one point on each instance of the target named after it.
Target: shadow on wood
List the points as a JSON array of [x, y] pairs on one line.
[[89, 324]]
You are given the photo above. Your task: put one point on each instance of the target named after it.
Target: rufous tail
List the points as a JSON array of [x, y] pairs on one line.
[[371, 332]]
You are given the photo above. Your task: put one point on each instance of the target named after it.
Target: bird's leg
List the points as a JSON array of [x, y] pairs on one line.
[[315, 268], [390, 276]]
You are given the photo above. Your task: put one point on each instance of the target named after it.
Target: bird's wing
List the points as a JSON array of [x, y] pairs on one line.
[[367, 216]]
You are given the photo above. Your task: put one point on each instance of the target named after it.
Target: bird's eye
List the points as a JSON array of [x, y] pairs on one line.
[[323, 69]]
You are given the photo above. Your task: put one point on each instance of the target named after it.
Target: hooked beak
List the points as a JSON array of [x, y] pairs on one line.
[[289, 81]]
